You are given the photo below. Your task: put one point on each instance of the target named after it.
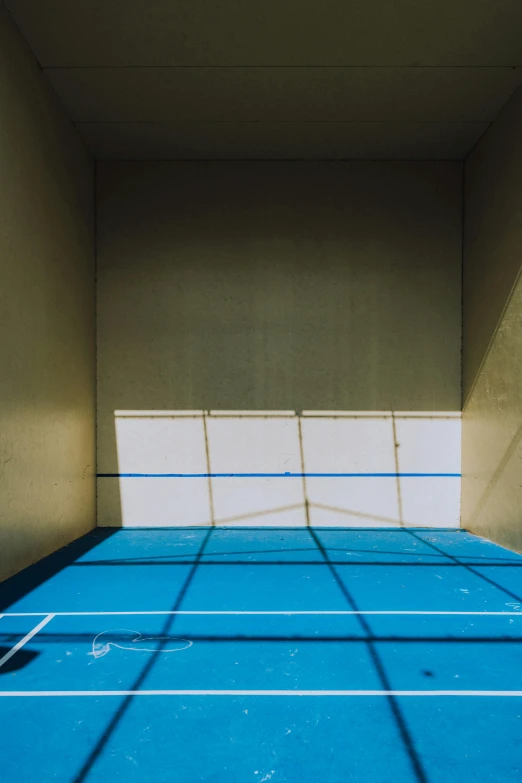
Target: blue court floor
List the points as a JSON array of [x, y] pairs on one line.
[[264, 654]]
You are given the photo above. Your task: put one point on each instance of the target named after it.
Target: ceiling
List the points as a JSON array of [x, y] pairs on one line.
[[282, 79]]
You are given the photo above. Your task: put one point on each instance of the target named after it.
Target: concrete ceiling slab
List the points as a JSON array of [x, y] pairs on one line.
[[280, 140], [299, 79], [293, 32], [288, 94]]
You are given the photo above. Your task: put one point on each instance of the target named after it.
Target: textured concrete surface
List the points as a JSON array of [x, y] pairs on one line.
[[276, 288], [152, 79], [47, 341], [492, 347]]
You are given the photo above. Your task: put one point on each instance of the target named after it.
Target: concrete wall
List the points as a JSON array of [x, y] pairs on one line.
[[492, 344], [279, 318], [47, 345]]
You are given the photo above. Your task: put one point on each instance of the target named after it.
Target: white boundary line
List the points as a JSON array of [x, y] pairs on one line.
[[248, 613], [26, 638], [285, 693]]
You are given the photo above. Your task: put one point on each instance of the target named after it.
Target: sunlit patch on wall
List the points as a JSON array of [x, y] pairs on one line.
[[320, 468]]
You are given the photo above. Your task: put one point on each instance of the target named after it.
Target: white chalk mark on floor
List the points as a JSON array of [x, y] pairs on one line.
[[135, 642]]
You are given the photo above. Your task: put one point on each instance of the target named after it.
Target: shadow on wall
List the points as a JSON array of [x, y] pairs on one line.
[[282, 468]]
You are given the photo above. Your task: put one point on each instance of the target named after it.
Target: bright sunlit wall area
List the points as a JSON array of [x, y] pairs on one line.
[[359, 469], [492, 333], [264, 319]]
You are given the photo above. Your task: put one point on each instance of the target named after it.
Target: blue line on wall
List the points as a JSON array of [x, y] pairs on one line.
[[279, 475]]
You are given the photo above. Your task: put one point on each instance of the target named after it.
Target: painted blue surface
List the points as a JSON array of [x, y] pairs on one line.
[[236, 737], [287, 474]]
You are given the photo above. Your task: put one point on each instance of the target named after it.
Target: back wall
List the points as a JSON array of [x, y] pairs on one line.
[[269, 320]]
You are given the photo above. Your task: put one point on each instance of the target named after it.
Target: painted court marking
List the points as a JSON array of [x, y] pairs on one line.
[[278, 475], [26, 638], [103, 648], [289, 613], [351, 693]]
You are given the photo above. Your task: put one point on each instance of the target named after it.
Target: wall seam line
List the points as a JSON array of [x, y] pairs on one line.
[[95, 198]]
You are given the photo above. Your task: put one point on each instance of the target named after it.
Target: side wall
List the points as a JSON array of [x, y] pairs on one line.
[[492, 333], [272, 319], [47, 335]]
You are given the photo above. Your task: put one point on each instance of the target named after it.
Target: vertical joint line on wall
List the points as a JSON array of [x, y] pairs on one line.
[[209, 471], [462, 248], [303, 469], [95, 220], [462, 251], [397, 469]]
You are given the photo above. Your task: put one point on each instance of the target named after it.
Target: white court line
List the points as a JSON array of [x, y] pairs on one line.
[[26, 638], [285, 613], [21, 694]]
